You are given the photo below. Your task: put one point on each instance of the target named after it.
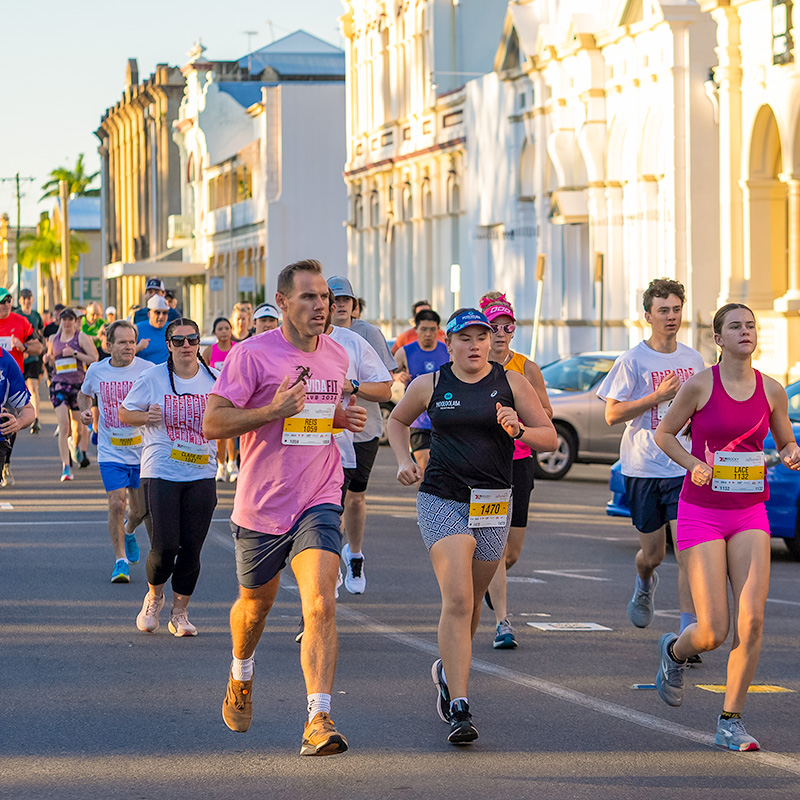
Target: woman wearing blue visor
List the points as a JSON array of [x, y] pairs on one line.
[[477, 410]]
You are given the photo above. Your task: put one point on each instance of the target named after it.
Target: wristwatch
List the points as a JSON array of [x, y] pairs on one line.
[[356, 387], [521, 432]]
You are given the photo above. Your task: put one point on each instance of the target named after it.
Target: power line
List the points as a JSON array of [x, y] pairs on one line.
[[16, 178]]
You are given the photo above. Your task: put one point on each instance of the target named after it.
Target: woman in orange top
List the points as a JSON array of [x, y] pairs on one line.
[[500, 313]]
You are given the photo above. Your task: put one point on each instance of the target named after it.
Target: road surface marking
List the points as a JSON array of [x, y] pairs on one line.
[[569, 627], [758, 688]]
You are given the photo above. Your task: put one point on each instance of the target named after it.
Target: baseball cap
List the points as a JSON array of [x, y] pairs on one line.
[[157, 303], [69, 312], [266, 310], [155, 283], [111, 310], [341, 287], [466, 318], [3, 294]]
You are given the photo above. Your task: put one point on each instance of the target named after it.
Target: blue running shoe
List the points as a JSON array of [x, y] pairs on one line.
[[94, 438], [504, 636], [121, 573], [443, 696], [731, 734], [640, 607], [131, 548], [669, 680]]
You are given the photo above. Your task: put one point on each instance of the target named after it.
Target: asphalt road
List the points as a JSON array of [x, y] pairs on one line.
[[94, 709]]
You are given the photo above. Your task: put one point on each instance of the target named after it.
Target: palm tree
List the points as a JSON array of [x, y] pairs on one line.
[[77, 179], [44, 248]]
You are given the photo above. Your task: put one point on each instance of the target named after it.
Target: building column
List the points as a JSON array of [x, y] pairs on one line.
[[791, 300]]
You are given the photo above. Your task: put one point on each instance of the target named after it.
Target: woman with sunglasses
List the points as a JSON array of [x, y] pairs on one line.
[[169, 402], [69, 352], [500, 313], [464, 501], [215, 355]]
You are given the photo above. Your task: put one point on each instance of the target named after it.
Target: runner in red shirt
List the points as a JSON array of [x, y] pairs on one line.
[[16, 333]]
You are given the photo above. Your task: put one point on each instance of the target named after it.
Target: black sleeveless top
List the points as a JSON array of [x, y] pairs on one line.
[[469, 449]]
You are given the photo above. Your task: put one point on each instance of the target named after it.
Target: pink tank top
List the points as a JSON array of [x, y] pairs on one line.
[[517, 364], [732, 426], [68, 369], [218, 356]]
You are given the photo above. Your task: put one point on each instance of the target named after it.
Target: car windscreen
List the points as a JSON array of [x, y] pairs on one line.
[[793, 393], [576, 374]]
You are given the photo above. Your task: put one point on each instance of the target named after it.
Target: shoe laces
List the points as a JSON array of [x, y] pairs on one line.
[[181, 617], [504, 627], [151, 609], [736, 727], [356, 566]]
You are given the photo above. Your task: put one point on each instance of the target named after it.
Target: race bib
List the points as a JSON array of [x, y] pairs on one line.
[[312, 426], [5, 343], [661, 410], [125, 437], [64, 365], [195, 454], [218, 364], [488, 508], [738, 472]]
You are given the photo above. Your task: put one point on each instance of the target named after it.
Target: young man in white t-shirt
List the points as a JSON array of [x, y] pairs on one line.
[[638, 390], [119, 448]]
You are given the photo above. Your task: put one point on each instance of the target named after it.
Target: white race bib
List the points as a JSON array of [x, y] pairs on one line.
[[312, 426], [661, 409], [122, 438], [738, 472], [5, 343], [195, 454], [65, 365], [488, 508], [218, 364]]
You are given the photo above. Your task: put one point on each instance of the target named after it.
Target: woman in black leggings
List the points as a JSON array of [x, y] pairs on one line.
[[178, 468]]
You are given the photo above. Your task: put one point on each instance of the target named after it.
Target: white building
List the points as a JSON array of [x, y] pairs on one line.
[[262, 148], [591, 134]]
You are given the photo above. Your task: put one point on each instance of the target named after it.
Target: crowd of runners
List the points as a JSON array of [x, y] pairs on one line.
[[286, 403]]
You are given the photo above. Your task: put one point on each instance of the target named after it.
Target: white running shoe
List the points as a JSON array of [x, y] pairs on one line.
[[179, 624], [354, 580], [220, 476], [233, 471], [147, 619], [8, 478]]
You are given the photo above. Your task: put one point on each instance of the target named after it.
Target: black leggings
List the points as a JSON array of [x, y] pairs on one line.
[[181, 514]]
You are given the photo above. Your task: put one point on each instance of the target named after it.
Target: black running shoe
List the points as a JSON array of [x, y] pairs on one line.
[[300, 631], [462, 731], [84, 460], [443, 696], [694, 661]]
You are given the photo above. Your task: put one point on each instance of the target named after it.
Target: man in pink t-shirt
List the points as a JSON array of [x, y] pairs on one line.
[[280, 392]]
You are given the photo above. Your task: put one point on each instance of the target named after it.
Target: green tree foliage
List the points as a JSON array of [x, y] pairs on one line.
[[77, 179], [44, 247]]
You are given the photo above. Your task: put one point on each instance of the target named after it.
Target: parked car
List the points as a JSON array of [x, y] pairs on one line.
[[784, 486], [579, 414]]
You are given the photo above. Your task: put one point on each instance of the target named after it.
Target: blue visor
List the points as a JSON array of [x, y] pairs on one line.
[[466, 318]]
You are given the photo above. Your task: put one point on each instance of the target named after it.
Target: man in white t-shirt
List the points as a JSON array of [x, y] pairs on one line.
[[638, 390], [368, 378], [119, 448]]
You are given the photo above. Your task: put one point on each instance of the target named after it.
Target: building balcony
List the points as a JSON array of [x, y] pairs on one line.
[[232, 217]]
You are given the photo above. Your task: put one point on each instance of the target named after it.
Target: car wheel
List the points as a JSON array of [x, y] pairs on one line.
[[793, 543], [386, 410], [556, 464]]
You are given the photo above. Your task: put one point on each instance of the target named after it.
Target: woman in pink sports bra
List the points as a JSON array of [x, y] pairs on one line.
[[722, 519], [215, 356]]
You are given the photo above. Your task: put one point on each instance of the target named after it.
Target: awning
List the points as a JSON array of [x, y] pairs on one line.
[[569, 206], [159, 269]]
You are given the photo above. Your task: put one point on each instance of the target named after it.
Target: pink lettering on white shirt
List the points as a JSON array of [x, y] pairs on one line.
[[112, 393], [183, 417]]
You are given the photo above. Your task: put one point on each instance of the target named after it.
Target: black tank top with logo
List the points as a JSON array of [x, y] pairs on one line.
[[469, 449]]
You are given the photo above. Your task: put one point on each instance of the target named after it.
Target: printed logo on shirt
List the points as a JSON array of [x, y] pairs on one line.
[[448, 402], [657, 412], [112, 393], [430, 366], [317, 389], [494, 393], [183, 417]]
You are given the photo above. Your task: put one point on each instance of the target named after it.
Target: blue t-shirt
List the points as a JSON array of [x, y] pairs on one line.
[[423, 362], [156, 352], [13, 392]]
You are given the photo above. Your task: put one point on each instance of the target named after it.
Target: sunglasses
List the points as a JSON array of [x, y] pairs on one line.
[[179, 341], [510, 328], [6, 300], [162, 313]]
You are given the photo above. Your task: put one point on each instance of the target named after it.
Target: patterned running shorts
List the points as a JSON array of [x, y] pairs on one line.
[[438, 518]]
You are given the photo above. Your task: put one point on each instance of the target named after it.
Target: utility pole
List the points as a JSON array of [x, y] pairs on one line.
[[16, 178], [63, 191]]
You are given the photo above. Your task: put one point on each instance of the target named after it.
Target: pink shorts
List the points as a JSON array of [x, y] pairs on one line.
[[698, 524]]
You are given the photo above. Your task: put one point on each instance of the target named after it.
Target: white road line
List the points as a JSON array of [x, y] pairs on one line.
[[519, 579], [783, 602], [564, 574], [776, 760], [596, 538], [100, 521], [6, 507]]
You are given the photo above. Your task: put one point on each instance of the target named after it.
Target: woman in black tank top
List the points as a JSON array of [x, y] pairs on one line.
[[463, 505]]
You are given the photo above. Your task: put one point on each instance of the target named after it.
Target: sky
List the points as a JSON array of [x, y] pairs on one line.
[[63, 64]]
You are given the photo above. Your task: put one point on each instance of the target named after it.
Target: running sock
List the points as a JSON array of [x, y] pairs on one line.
[[242, 668], [644, 586], [687, 619], [123, 559], [317, 703], [671, 653], [730, 715], [359, 554], [454, 701]]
